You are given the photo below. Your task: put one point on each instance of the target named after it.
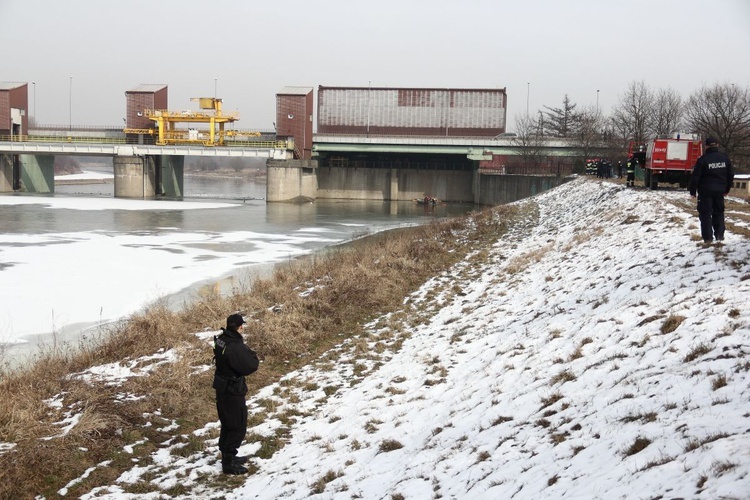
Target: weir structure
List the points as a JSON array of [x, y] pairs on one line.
[[148, 154], [403, 144], [389, 144], [140, 170], [459, 170]]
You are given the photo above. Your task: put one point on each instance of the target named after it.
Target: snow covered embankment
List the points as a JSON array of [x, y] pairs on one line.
[[602, 353]]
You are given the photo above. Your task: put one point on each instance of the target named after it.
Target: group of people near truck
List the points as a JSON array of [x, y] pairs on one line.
[[600, 167]]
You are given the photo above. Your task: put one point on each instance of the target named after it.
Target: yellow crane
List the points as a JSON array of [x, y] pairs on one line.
[[166, 122]]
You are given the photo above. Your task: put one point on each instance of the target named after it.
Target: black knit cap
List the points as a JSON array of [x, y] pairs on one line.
[[711, 141], [235, 320]]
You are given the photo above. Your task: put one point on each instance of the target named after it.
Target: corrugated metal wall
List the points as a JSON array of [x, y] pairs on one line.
[[411, 111]]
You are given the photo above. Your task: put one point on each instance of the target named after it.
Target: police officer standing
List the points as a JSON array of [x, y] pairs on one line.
[[711, 179], [234, 360]]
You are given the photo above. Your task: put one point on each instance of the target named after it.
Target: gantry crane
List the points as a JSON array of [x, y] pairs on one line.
[[166, 121]]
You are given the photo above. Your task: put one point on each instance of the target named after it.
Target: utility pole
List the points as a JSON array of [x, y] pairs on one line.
[[70, 104], [597, 100], [528, 86]]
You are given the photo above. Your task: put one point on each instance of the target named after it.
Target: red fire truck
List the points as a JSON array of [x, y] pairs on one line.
[[668, 160]]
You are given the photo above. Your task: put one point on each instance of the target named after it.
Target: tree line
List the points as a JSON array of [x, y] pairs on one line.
[[642, 113]]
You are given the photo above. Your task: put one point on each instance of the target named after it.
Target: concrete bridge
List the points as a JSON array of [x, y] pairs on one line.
[[400, 168], [384, 168], [141, 170]]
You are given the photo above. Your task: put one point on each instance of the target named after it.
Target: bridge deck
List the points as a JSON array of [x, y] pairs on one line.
[[470, 146], [103, 149]]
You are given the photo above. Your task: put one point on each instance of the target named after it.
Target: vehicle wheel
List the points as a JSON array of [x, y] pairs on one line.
[[654, 182], [646, 178]]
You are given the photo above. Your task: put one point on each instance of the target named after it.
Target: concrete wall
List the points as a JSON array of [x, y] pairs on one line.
[[500, 189], [394, 184], [135, 177], [37, 173], [291, 180], [6, 173], [294, 180]]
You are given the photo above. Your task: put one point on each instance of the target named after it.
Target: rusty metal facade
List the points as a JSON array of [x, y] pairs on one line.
[[141, 98], [411, 111], [294, 118]]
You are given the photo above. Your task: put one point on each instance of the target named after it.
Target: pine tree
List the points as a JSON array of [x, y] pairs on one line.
[[560, 122]]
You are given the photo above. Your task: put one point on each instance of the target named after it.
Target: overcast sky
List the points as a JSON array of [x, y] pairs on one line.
[[537, 49]]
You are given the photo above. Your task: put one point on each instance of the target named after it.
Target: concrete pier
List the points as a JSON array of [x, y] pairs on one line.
[[6, 173], [171, 175], [27, 173], [135, 177], [291, 180]]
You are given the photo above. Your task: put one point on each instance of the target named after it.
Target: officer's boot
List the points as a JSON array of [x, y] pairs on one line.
[[230, 466]]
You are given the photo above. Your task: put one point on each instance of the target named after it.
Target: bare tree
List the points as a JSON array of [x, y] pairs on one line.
[[722, 111], [634, 111], [560, 122], [529, 140], [666, 113], [587, 136]]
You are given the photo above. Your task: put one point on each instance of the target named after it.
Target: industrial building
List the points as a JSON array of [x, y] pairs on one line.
[[143, 97], [294, 119], [411, 111], [14, 105]]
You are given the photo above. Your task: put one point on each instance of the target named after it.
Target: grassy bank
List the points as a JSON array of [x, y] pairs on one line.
[[64, 423]]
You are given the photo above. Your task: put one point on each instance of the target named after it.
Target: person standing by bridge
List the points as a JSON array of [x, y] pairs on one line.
[[711, 180], [234, 360]]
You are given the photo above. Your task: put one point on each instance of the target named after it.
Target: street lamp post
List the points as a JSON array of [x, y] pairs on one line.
[[369, 91], [528, 86], [597, 100], [70, 104]]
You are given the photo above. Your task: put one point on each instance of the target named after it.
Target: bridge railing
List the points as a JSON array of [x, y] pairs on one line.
[[61, 139], [273, 144]]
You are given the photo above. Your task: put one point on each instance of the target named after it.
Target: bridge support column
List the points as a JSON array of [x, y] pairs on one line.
[[171, 175], [393, 192], [6, 173], [135, 177], [37, 173], [291, 180]]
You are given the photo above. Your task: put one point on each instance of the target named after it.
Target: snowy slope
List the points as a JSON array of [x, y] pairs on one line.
[[597, 352]]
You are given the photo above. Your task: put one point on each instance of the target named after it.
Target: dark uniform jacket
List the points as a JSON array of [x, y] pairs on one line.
[[713, 173], [234, 360]]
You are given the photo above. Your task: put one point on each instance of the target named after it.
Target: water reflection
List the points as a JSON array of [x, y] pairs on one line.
[[246, 211]]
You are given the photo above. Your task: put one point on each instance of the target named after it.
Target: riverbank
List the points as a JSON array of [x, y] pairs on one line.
[[537, 350]]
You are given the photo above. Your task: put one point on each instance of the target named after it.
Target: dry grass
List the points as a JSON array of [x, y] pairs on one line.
[[351, 285]]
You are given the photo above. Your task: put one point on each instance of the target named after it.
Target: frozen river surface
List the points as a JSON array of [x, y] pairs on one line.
[[75, 260]]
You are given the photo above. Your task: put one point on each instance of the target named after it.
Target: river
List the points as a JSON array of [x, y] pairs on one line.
[[80, 258]]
